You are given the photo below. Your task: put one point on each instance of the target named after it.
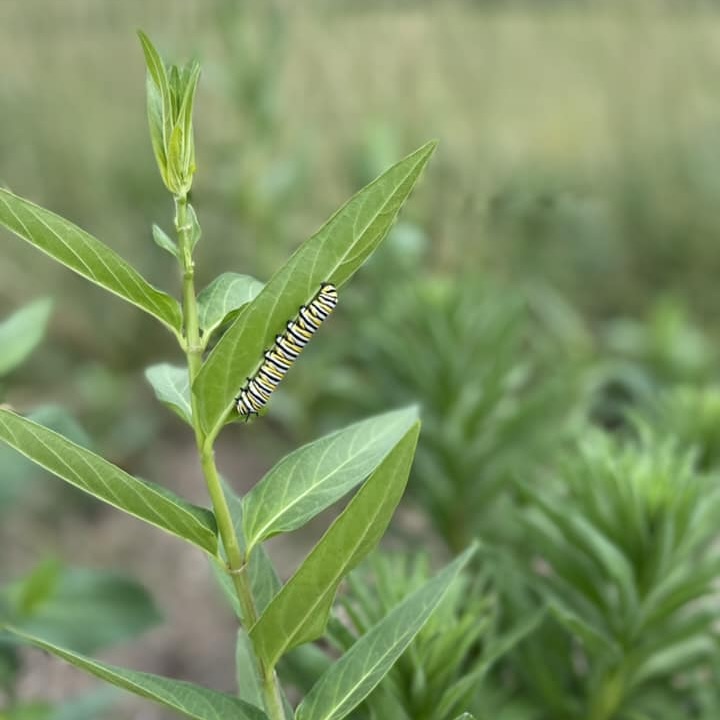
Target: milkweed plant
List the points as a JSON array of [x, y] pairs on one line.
[[236, 335]]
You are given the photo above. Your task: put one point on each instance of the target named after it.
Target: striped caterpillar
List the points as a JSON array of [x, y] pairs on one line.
[[280, 357]]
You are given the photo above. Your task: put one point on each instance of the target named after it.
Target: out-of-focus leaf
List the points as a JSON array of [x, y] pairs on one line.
[[592, 637], [333, 254], [10, 663], [109, 483], [85, 610], [21, 332], [38, 586], [677, 657], [87, 256], [299, 612]]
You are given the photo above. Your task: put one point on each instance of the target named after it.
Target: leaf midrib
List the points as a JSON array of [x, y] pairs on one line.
[[298, 498]]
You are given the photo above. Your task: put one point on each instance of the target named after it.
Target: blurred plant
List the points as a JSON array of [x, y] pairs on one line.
[[261, 181], [647, 356], [498, 373], [667, 344], [239, 318], [690, 416], [625, 554]]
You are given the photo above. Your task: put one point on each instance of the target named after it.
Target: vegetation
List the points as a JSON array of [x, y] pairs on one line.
[[546, 306]]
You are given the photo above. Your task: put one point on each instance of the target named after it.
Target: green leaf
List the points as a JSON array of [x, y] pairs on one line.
[[38, 586], [515, 634], [333, 254], [87, 256], [185, 119], [195, 230], [676, 657], [186, 698], [222, 297], [246, 670], [19, 475], [164, 241], [299, 612], [593, 638], [95, 475], [85, 610], [172, 388], [361, 668], [313, 477], [21, 333], [159, 103]]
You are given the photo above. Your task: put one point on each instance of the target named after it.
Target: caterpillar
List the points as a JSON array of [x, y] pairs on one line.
[[280, 357]]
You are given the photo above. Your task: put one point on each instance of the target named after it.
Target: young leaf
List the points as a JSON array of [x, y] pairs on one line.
[[299, 612], [195, 229], [224, 295], [361, 668], [188, 699], [105, 481], [159, 104], [313, 477], [87, 256], [21, 332], [164, 241], [172, 388], [333, 254]]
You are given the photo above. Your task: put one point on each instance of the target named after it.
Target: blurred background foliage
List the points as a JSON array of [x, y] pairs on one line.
[[550, 299]]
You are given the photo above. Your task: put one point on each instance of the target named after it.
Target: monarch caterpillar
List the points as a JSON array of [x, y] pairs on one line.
[[280, 357]]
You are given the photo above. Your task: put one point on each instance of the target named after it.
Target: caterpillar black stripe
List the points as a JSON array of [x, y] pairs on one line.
[[280, 357]]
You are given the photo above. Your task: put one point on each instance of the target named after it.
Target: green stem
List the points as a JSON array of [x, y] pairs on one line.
[[236, 560]]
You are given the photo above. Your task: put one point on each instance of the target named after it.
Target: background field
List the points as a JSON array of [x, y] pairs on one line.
[[578, 166]]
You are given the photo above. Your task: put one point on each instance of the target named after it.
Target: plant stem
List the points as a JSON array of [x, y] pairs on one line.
[[237, 567], [236, 560]]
